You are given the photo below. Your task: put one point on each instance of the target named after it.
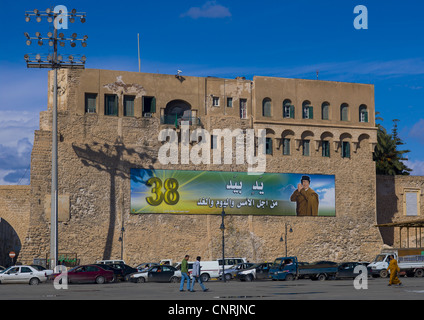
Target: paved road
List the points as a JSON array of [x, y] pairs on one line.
[[412, 289]]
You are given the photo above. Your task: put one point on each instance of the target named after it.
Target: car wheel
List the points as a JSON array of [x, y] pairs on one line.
[[205, 277], [228, 277], [249, 277], [322, 277], [141, 280], [100, 280], [174, 279], [34, 281], [419, 273], [289, 277], [383, 273]]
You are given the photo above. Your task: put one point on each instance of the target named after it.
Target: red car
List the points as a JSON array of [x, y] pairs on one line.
[[88, 274]]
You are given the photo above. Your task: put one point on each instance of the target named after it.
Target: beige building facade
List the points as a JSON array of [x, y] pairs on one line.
[[109, 122]]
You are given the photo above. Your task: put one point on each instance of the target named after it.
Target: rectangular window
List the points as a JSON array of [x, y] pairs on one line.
[[90, 102], [243, 109], [268, 146], [412, 202], [363, 116], [286, 147], [149, 106], [129, 106], [111, 104], [305, 147], [215, 101], [325, 148], [345, 149], [229, 102]]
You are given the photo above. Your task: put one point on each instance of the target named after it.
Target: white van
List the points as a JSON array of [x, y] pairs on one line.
[[208, 269], [230, 262]]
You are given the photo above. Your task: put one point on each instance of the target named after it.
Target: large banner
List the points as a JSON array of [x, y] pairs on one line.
[[207, 192]]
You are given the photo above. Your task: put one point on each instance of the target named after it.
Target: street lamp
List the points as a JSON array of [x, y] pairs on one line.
[[222, 227], [282, 239], [58, 16]]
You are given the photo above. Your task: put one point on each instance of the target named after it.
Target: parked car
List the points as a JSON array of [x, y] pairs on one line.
[[162, 273], [145, 266], [23, 274], [88, 274], [231, 272], [118, 273], [126, 270], [41, 268], [346, 270], [258, 271], [109, 261]]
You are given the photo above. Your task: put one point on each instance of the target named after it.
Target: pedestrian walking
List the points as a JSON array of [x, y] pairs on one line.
[[196, 275], [394, 269], [184, 273]]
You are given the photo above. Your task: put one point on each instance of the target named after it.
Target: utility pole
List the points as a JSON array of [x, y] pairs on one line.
[[59, 16]]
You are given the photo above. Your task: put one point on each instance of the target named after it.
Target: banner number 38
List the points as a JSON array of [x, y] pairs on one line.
[[171, 195]]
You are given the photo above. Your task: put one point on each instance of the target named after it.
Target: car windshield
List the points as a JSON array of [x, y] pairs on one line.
[[380, 258], [276, 263]]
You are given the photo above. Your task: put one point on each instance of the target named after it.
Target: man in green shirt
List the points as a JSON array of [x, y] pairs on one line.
[[184, 273]]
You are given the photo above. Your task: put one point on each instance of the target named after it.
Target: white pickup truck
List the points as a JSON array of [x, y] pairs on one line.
[[412, 265]]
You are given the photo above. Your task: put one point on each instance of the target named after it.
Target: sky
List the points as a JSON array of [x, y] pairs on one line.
[[279, 38]]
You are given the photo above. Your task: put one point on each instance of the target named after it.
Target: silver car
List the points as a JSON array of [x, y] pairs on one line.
[[23, 274]]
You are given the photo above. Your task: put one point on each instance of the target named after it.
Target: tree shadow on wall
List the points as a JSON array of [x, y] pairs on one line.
[[387, 204], [9, 241], [112, 159]]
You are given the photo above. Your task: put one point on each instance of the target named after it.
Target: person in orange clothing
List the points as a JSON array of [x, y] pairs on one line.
[[394, 269]]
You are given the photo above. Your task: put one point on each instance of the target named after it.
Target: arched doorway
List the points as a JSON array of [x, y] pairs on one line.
[[9, 241], [175, 110]]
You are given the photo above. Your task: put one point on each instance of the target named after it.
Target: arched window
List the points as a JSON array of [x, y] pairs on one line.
[[344, 112], [325, 111], [266, 107], [288, 109], [363, 113], [307, 110]]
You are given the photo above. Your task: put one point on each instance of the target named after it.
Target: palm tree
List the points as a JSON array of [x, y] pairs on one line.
[[388, 159]]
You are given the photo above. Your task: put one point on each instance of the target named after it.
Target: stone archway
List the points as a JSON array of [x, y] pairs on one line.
[[175, 109], [9, 241]]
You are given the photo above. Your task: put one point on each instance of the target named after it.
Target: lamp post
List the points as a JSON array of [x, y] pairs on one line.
[[222, 227], [285, 235], [59, 16]]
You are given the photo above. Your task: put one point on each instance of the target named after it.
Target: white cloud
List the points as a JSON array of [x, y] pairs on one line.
[[327, 197], [417, 131], [417, 167], [16, 141], [209, 10]]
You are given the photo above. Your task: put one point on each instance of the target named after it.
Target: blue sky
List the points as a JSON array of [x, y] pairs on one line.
[[223, 38]]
